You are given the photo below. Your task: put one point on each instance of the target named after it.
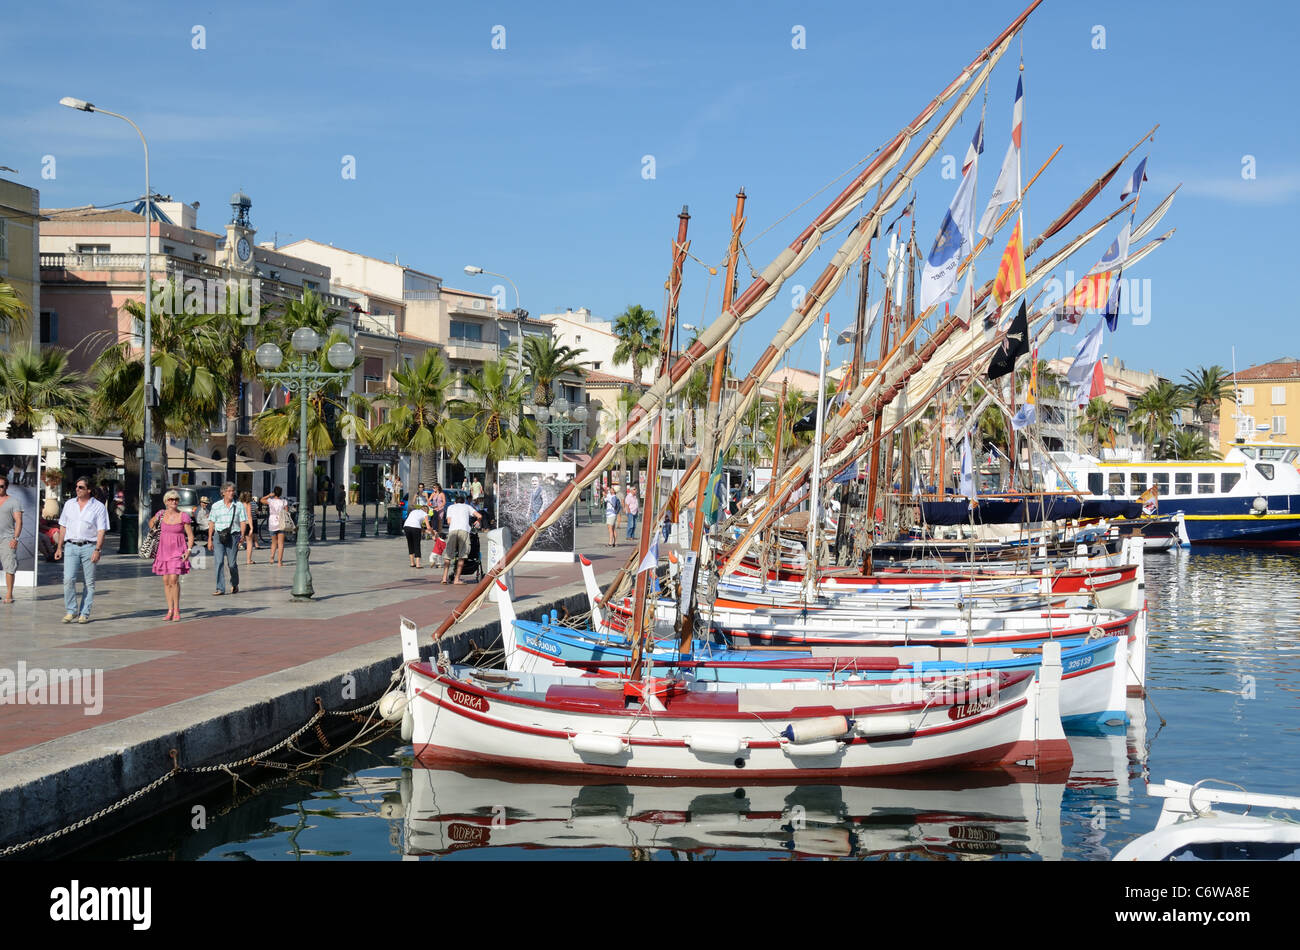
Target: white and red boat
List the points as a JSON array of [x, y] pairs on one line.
[[662, 727]]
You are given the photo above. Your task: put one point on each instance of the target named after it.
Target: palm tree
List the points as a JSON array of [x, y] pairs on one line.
[[14, 312], [184, 347], [1097, 420], [1189, 446], [1154, 412], [36, 386], [1206, 389], [547, 361], [418, 418], [495, 428], [638, 339]]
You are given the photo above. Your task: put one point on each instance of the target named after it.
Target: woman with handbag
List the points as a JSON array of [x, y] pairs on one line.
[[170, 532]]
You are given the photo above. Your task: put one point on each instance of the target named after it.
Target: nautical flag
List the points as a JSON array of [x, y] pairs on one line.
[[1149, 500], [966, 482], [1089, 292], [1066, 320], [975, 149], [1134, 186], [1151, 220], [1007, 189], [1014, 345], [1011, 271], [651, 560], [1098, 381], [1086, 356], [846, 335], [1117, 252], [966, 300], [711, 500], [1024, 417], [1031, 396], [955, 240], [1111, 312], [848, 475]]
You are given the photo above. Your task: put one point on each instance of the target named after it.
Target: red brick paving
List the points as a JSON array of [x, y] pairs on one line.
[[211, 653]]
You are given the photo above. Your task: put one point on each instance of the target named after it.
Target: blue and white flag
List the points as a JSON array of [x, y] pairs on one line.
[[966, 482], [975, 149], [1085, 357], [1117, 253], [955, 240], [651, 561], [1025, 416], [848, 475], [1134, 185], [1112, 306]]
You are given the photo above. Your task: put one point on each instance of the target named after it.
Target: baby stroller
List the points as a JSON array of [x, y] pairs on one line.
[[473, 561]]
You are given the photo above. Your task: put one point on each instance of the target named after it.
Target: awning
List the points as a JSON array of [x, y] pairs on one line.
[[111, 448]]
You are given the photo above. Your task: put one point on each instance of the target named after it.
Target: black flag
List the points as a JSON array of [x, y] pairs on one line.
[[1014, 345]]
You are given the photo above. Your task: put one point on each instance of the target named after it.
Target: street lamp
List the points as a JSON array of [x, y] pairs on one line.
[[81, 105], [559, 420], [304, 377]]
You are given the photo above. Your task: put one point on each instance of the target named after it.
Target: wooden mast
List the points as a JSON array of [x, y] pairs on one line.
[[709, 446], [637, 631]]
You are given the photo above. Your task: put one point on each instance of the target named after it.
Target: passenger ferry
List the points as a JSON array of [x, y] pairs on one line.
[[1251, 496]]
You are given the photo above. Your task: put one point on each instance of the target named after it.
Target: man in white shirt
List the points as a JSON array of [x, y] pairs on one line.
[[458, 516], [224, 522], [81, 528]]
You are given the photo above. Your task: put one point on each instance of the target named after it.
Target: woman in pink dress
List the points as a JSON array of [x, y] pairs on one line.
[[173, 558]]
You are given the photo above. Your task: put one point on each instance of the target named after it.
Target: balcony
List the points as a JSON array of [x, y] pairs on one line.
[[476, 351], [383, 324], [479, 308]]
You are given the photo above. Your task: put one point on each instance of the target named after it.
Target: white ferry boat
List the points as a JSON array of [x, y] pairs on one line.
[[1251, 496]]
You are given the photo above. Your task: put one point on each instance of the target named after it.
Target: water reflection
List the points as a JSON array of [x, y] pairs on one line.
[[451, 810]]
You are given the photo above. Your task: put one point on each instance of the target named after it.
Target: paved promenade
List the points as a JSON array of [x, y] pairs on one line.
[[236, 652]]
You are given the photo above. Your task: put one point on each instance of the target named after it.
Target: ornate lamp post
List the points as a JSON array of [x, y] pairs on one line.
[[559, 420], [304, 377]]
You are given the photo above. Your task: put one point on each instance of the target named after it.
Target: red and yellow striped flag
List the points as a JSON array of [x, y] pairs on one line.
[[1011, 272], [1091, 292]]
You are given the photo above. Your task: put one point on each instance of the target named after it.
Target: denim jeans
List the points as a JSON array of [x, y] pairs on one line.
[[78, 556], [631, 525], [226, 555]]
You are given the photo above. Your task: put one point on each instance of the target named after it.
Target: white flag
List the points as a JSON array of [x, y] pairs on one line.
[[966, 300], [1004, 192], [966, 484], [955, 241], [1089, 351], [651, 561]]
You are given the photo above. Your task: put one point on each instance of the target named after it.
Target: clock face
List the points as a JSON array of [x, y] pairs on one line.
[[243, 249]]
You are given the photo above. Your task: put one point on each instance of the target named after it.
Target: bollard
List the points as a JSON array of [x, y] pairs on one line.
[[363, 521], [342, 525]]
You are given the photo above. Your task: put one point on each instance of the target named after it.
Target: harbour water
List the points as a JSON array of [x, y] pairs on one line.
[[1224, 680]]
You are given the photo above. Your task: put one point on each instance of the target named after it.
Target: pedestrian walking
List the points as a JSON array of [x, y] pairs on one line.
[[458, 518], [668, 524], [633, 506], [81, 528], [415, 527], [224, 529], [276, 506], [397, 489], [611, 512], [11, 529], [475, 490], [247, 526], [175, 538]]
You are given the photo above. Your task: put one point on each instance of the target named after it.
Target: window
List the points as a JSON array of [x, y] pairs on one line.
[[169, 250], [1279, 425], [1227, 480], [4, 240], [1137, 483], [1265, 469], [1279, 396], [1160, 481], [595, 366], [1182, 483], [461, 330], [310, 285], [1115, 483], [1205, 483], [1248, 395], [1094, 483], [93, 248], [49, 327]]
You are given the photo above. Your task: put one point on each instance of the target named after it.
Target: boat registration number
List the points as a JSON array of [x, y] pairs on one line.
[[966, 710]]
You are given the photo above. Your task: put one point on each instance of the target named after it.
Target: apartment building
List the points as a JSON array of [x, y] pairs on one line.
[[19, 230], [1266, 402]]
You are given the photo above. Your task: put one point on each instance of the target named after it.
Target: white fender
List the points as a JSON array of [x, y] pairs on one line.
[[712, 744], [596, 743]]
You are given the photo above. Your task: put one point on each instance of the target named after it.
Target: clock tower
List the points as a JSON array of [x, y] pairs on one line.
[[238, 252]]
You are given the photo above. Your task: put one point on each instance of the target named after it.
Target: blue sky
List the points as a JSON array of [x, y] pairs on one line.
[[529, 160]]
